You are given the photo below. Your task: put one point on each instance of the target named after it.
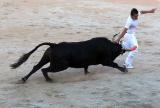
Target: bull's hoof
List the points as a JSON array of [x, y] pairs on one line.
[[49, 80], [23, 80], [20, 81], [124, 70], [86, 73]]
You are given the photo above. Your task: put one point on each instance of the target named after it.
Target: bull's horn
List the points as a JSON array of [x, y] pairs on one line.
[[131, 49], [127, 49]]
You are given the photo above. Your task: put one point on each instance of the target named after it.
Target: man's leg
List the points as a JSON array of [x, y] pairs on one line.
[[130, 58], [133, 53]]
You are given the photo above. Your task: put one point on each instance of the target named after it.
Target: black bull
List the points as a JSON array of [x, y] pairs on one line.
[[75, 54]]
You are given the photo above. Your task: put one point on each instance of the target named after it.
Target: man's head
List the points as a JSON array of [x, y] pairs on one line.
[[134, 14]]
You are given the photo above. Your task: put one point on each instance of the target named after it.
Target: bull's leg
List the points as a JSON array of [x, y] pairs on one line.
[[42, 62], [86, 70], [115, 65], [54, 68], [45, 73]]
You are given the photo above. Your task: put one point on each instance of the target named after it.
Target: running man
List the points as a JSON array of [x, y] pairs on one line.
[[128, 32]]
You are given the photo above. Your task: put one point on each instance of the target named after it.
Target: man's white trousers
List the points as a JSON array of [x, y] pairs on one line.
[[129, 42]]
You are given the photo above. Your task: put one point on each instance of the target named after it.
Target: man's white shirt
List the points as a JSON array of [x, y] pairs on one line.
[[131, 25]]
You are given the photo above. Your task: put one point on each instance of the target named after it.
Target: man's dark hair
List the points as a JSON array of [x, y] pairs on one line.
[[134, 11]]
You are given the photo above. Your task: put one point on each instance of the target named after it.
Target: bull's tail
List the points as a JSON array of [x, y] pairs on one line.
[[24, 57]]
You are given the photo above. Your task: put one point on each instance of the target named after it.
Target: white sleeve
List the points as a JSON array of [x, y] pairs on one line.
[[128, 23]]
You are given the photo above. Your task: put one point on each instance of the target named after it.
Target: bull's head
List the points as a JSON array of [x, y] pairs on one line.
[[123, 50]]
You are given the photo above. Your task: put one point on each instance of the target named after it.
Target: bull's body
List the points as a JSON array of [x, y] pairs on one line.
[[75, 54]]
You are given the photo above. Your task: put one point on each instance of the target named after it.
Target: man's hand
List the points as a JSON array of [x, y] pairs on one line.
[[120, 35], [148, 11], [153, 10], [116, 41]]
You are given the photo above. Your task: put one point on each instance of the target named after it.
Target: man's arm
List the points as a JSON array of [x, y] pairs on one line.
[[121, 34], [148, 11]]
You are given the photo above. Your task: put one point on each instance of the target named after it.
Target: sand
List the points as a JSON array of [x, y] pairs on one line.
[[24, 24]]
